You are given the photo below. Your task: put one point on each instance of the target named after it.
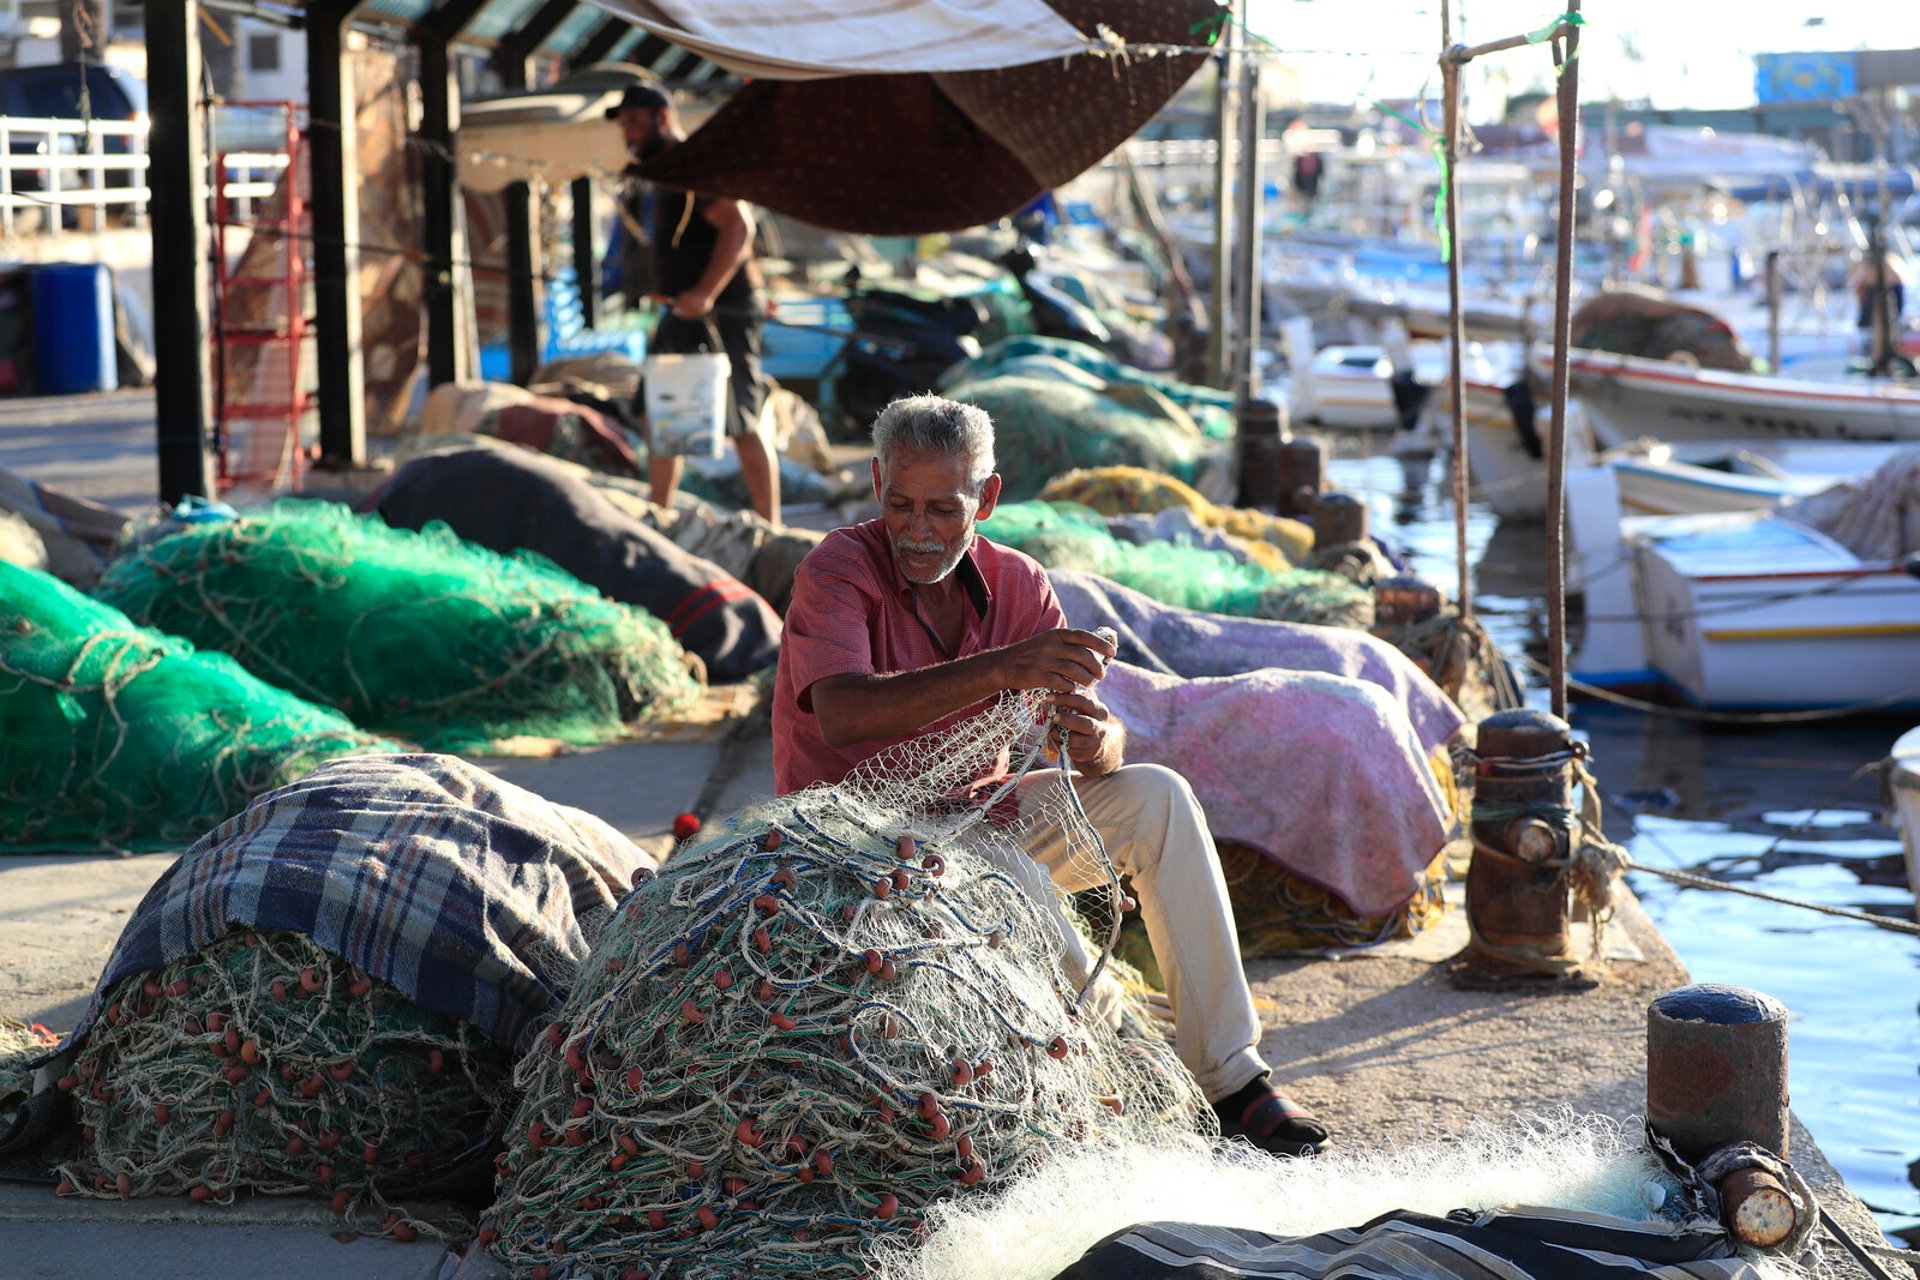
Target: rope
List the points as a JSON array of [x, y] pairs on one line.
[[1702, 715], [1889, 923]]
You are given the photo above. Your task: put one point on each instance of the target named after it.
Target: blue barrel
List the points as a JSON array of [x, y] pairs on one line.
[[73, 348]]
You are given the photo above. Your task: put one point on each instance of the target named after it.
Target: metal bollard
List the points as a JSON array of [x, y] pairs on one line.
[[1302, 468], [1261, 428], [1403, 601], [1517, 886], [1717, 1069], [1337, 518]]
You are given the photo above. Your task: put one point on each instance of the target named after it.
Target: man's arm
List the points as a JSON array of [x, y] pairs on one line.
[[860, 708], [731, 248]]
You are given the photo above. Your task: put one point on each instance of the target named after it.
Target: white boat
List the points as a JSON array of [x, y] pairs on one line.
[[1904, 783], [1694, 477], [1349, 386], [1739, 610], [1630, 398], [1505, 465]]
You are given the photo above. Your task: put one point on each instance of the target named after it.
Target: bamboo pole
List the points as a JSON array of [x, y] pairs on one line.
[[1569, 102]]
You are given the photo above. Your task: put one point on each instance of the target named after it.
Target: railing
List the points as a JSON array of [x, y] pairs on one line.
[[48, 166]]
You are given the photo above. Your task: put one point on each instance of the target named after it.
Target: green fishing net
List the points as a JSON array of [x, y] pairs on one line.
[[1042, 427], [1063, 536], [1211, 408], [115, 735], [415, 633]]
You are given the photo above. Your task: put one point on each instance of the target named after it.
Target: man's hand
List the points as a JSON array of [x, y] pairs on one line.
[[1063, 660], [693, 304], [1094, 740]]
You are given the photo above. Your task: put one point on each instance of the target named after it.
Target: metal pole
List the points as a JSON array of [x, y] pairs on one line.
[[439, 118], [334, 160], [1226, 99], [1246, 242], [1569, 94], [1773, 312], [584, 277], [1457, 324], [177, 176]]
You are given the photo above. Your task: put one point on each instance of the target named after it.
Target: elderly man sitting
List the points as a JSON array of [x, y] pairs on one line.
[[905, 623]]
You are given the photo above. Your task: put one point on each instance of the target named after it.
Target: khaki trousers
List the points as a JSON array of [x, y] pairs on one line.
[[1156, 833]]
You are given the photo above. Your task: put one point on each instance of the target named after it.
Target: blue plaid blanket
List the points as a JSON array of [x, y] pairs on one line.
[[475, 898]]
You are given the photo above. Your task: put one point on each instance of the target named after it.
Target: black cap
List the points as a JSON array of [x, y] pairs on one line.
[[641, 97]]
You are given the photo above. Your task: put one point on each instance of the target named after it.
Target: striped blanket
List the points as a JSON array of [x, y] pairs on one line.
[[475, 898], [1547, 1244]]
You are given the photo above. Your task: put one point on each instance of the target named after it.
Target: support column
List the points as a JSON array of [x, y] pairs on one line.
[[523, 297], [334, 159], [584, 274], [439, 120], [177, 175]]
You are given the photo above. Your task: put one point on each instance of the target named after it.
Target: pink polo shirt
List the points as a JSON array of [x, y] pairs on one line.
[[855, 613]]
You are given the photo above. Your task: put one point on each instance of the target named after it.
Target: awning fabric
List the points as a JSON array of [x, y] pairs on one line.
[[807, 39], [912, 154]]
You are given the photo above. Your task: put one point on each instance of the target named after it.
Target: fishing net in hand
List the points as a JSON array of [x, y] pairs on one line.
[[1115, 491], [832, 1011], [1042, 427], [263, 1062], [115, 735], [415, 633], [1061, 536]]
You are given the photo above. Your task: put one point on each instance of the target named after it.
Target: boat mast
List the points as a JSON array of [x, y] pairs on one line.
[[1226, 106], [1566, 58], [1246, 241]]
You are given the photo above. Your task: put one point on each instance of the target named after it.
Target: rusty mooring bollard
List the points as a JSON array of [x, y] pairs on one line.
[[1404, 600], [1303, 465], [1337, 518], [1261, 430], [1517, 886], [1717, 1069], [1717, 1077]]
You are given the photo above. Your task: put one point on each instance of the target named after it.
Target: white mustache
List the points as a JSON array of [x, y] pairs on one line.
[[922, 548]]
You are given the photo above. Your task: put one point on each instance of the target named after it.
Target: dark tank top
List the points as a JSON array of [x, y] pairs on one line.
[[683, 243]]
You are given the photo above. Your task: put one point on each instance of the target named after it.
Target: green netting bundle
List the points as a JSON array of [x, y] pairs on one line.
[[1042, 427], [1211, 408], [416, 633], [115, 735], [808, 1029], [1063, 536], [263, 1062]]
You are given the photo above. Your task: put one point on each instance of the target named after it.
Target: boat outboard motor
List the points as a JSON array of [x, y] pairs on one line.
[[900, 345], [1055, 315]]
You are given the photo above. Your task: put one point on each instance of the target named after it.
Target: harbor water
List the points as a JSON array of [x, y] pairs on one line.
[[1775, 807]]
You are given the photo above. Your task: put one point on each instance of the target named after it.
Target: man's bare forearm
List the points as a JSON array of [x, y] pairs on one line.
[[861, 708]]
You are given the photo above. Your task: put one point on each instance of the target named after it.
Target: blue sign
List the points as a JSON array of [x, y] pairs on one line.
[[1803, 77]]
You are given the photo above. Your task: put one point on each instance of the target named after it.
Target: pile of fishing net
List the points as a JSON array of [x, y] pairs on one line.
[[115, 735], [1080, 362], [1043, 427], [1116, 491], [414, 633], [1062, 536], [1277, 913], [827, 1014], [328, 992], [264, 1062]]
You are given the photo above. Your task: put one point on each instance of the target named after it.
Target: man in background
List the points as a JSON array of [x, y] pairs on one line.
[[700, 259]]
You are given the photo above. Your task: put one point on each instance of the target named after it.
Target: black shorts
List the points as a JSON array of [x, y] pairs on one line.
[[739, 334]]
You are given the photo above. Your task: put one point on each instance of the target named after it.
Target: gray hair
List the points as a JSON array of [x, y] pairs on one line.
[[934, 425]]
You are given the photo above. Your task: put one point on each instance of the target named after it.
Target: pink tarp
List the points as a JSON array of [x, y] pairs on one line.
[[1323, 773]]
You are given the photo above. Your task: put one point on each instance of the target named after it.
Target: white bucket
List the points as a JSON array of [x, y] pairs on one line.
[[687, 403]]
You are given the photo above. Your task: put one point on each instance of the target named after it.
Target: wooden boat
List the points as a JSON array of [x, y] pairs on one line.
[[1739, 610], [1630, 398]]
